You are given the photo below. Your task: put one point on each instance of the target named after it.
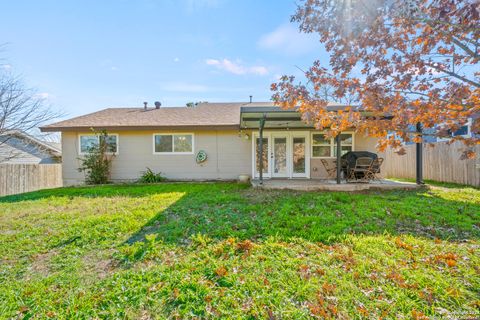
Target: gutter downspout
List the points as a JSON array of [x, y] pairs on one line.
[[260, 148]]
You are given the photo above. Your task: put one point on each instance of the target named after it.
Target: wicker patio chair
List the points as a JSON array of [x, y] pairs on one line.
[[362, 168], [330, 168]]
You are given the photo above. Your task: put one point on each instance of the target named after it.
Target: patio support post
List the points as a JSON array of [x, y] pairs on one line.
[[339, 157], [419, 156], [260, 148]]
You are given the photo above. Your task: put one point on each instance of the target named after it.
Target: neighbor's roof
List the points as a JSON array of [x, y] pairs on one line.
[[205, 115], [52, 147]]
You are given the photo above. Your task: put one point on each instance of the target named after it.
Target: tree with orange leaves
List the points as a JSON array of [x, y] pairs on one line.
[[415, 61]]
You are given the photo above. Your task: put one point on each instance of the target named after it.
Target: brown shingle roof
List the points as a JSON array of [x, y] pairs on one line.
[[203, 116], [207, 115]]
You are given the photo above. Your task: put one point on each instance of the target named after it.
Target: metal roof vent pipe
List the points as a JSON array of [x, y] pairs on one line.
[[158, 104], [145, 106]]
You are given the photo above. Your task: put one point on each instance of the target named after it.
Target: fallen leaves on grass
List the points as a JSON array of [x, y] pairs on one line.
[[221, 272], [449, 259], [400, 244], [245, 246], [417, 315]]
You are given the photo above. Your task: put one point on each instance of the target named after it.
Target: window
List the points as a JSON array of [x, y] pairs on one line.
[[326, 148], [173, 143], [346, 144], [462, 131], [299, 155], [87, 141], [264, 154], [321, 147]]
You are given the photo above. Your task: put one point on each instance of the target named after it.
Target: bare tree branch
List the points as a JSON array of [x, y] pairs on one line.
[[21, 109]]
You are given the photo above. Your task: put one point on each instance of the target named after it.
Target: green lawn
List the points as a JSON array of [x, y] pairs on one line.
[[184, 250]]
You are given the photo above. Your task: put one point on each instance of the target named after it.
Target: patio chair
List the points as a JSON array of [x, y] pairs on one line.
[[374, 169], [361, 170], [331, 169]]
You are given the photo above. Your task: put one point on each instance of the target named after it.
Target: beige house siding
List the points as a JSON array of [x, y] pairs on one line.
[[228, 156]]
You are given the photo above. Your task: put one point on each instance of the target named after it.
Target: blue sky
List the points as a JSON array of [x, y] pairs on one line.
[[83, 56]]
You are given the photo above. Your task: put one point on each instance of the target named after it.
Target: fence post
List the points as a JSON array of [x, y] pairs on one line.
[[419, 153]]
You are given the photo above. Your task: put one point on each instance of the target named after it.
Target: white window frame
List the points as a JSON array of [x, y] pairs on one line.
[[312, 144], [80, 135], [173, 143], [332, 144], [468, 135], [290, 135]]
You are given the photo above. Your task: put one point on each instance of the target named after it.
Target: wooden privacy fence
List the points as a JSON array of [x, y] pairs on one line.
[[441, 162], [18, 178]]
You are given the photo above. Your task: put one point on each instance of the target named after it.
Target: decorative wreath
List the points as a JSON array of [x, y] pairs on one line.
[[201, 156]]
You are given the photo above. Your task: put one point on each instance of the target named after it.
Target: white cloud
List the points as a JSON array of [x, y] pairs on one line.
[[176, 59], [6, 67], [44, 95], [288, 40], [114, 68], [236, 67]]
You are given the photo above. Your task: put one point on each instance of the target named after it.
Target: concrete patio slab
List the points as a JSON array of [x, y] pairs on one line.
[[331, 185]]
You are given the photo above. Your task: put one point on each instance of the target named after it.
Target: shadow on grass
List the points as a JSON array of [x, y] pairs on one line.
[[315, 216], [224, 210]]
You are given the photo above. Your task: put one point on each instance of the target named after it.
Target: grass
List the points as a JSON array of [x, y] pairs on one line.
[[184, 250]]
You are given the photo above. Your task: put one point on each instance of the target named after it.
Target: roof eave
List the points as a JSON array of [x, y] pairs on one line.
[[138, 128], [23, 135]]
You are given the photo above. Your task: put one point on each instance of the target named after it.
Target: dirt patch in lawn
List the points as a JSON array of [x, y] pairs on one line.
[[264, 196], [40, 264], [99, 265]]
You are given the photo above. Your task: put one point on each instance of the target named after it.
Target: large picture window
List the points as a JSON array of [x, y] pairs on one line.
[[173, 143], [326, 147], [87, 141]]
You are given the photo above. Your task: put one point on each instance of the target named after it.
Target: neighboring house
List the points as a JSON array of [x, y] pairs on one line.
[[168, 140], [464, 131], [21, 148]]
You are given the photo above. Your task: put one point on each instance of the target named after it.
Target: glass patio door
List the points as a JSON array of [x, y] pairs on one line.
[[265, 157], [299, 156], [279, 156], [285, 155]]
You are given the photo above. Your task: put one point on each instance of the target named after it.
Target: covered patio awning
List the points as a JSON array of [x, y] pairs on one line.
[[275, 118]]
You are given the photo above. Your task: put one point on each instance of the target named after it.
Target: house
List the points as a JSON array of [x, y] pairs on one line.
[[465, 131], [17, 147], [211, 141]]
